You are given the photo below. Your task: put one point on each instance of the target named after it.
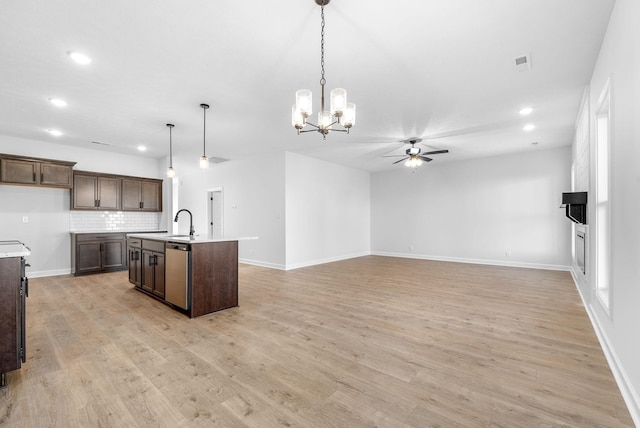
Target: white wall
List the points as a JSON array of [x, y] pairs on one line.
[[87, 159], [47, 232], [253, 203], [476, 211], [327, 210], [620, 59]]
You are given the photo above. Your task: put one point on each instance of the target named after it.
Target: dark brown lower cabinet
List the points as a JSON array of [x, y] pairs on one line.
[[13, 293], [134, 255], [94, 253], [153, 272]]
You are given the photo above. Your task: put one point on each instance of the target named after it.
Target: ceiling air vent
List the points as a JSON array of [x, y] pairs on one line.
[[523, 63], [100, 144], [213, 159]]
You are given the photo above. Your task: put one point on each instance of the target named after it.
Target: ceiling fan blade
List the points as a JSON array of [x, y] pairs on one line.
[[435, 152], [400, 160], [426, 159], [392, 156]]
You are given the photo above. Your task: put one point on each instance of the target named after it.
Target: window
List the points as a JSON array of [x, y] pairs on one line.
[[602, 209]]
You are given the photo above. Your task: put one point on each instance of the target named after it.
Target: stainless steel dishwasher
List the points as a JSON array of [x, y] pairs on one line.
[[178, 274]]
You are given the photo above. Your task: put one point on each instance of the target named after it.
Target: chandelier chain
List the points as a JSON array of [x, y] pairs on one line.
[[322, 79]]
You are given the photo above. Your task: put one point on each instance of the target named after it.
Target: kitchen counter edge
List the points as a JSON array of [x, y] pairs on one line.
[[186, 239]]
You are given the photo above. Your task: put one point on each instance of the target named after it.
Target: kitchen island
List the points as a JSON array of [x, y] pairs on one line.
[[14, 288], [196, 275]]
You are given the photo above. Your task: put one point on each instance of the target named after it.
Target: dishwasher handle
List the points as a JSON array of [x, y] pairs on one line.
[[178, 247]]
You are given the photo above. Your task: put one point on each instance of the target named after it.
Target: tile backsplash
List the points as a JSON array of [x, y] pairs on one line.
[[113, 220]]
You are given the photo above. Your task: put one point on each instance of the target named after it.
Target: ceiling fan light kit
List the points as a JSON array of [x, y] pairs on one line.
[[414, 156], [340, 111]]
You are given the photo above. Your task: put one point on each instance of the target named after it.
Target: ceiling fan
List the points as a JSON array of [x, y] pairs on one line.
[[414, 155]]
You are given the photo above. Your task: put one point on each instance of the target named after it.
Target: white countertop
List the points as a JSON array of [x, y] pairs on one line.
[[13, 249], [80, 232], [186, 239]]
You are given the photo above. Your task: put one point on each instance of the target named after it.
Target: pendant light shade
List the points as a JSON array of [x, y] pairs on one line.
[[170, 171], [204, 160]]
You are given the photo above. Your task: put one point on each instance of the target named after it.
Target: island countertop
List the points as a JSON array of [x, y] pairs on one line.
[[186, 239], [13, 249]]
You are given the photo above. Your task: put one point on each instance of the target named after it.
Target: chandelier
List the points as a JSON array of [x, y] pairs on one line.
[[340, 112]]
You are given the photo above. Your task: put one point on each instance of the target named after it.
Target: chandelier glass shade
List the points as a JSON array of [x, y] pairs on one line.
[[340, 111], [170, 171]]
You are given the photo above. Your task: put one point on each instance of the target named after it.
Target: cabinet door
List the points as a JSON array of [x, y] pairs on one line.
[[150, 196], [85, 192], [113, 255], [158, 284], [88, 257], [55, 175], [147, 270], [131, 194], [135, 266], [9, 314], [19, 171], [108, 193]]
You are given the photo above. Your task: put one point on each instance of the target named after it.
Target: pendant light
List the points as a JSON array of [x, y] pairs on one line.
[[170, 171], [340, 112], [204, 160]]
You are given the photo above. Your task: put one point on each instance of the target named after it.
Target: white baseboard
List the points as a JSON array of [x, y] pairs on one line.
[[43, 273], [629, 394], [327, 260], [474, 261], [262, 264]]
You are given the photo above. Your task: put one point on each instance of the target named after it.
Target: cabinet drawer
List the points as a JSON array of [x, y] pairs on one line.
[[134, 242], [107, 236], [148, 244]]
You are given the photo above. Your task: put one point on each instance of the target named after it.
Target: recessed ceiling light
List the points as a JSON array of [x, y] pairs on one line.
[[534, 143], [54, 132], [525, 111], [529, 127], [58, 102], [79, 58], [142, 148]]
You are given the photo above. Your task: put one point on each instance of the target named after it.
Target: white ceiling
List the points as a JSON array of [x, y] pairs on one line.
[[414, 69]]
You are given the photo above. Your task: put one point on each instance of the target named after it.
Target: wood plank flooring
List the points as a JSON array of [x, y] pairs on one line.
[[367, 342]]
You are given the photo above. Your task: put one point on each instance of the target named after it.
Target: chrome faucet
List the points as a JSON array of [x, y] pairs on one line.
[[192, 231]]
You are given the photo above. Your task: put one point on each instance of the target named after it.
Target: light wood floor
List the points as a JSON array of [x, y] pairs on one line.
[[373, 341]]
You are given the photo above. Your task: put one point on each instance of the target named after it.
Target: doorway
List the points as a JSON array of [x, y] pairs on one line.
[[215, 213]]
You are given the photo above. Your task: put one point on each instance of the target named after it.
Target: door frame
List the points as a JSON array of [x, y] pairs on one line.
[[210, 211]]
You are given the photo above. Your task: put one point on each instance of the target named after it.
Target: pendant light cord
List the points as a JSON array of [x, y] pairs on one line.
[[170, 147], [204, 132]]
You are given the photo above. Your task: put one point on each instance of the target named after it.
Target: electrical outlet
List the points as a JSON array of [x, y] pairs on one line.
[[507, 253], [410, 247], [25, 219]]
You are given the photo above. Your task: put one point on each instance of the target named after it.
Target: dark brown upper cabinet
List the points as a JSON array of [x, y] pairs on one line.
[[141, 195], [96, 191], [28, 171]]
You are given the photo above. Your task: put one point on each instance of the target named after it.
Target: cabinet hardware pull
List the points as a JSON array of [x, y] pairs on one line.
[[34, 177], [41, 177], [141, 205], [98, 203], [95, 202]]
